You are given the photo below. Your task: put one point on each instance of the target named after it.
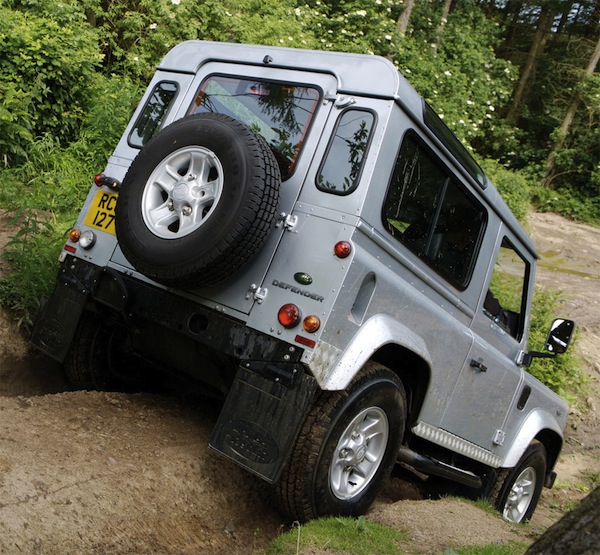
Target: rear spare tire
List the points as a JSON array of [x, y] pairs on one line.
[[198, 202]]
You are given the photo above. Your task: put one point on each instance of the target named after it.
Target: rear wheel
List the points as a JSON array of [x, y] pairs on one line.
[[517, 490], [98, 359], [346, 449]]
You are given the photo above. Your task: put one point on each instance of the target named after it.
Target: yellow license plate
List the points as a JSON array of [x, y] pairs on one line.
[[101, 214]]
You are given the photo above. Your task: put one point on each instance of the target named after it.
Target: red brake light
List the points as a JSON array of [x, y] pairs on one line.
[[342, 249], [289, 315]]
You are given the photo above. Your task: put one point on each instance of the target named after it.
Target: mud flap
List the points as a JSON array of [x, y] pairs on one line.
[[57, 321], [261, 419], [56, 324]]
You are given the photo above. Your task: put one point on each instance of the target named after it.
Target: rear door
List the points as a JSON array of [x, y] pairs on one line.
[[289, 109]]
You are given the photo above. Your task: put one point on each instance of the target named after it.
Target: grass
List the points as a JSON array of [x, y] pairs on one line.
[[348, 536], [338, 535]]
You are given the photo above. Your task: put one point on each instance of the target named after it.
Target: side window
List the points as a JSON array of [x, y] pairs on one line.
[[153, 114], [342, 165], [432, 215], [505, 299]]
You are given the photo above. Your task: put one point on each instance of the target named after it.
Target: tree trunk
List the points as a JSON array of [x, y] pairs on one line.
[[402, 23], [576, 533], [440, 30], [537, 47], [568, 120]]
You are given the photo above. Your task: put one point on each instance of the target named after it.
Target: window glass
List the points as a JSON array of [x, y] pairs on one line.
[[505, 299], [153, 113], [433, 215], [343, 162], [280, 112]]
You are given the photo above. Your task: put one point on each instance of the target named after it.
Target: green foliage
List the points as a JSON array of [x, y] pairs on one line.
[[514, 187], [50, 61], [32, 254], [562, 374], [336, 534], [15, 125], [569, 202], [460, 75], [47, 191]]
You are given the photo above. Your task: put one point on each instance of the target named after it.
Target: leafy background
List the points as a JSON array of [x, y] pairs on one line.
[[504, 75]]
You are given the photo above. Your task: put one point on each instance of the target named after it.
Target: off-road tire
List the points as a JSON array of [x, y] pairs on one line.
[[195, 225], [517, 490], [308, 487], [98, 359]]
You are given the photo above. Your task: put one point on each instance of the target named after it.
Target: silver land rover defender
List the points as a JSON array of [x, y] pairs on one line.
[[300, 232]]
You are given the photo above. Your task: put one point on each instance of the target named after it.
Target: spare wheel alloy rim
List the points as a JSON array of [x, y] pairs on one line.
[[182, 192]]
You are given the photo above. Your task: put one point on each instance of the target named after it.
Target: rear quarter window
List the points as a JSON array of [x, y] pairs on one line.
[[342, 165], [152, 116]]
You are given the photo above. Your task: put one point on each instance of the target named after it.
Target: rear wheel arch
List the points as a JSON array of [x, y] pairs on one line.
[[413, 371]]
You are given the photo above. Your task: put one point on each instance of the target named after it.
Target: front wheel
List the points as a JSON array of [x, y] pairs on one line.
[[346, 449], [517, 490]]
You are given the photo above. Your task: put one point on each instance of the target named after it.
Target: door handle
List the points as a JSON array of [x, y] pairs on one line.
[[478, 364]]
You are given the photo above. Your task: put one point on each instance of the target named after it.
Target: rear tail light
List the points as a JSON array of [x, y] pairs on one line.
[[110, 182], [342, 249], [289, 315], [86, 239]]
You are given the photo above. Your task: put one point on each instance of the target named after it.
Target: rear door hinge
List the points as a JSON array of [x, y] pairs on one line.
[[288, 221], [259, 294]]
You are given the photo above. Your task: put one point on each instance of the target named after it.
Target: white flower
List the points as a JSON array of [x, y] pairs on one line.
[[388, 37], [362, 13], [447, 73], [298, 12], [176, 2], [153, 25]]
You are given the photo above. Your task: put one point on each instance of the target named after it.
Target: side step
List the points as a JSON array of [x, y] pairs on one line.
[[431, 466]]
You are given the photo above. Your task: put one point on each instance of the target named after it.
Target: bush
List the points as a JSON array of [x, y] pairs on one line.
[[563, 373], [50, 61], [513, 186], [46, 193]]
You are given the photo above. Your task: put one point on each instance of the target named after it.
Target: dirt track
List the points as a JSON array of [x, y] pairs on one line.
[[110, 473]]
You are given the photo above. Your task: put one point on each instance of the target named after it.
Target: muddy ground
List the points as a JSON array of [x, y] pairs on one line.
[[113, 473]]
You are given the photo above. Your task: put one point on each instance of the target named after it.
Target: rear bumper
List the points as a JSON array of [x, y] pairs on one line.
[[270, 395]]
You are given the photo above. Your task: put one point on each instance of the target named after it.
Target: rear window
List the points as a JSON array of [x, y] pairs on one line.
[[280, 112]]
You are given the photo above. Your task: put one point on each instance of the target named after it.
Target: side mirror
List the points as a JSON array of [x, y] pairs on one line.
[[559, 336], [558, 340]]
